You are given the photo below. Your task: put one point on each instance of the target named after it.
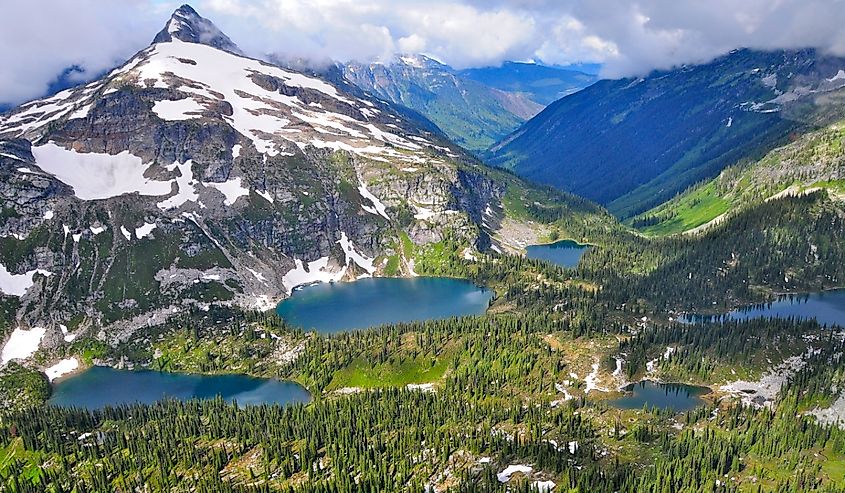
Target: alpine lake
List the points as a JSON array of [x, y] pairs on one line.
[[329, 308], [336, 307]]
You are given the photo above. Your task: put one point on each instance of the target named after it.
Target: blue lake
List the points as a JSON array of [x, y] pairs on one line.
[[100, 386], [336, 307], [676, 396], [565, 253], [827, 307]]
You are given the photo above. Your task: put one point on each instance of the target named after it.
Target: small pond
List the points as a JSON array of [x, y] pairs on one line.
[[676, 396], [565, 253]]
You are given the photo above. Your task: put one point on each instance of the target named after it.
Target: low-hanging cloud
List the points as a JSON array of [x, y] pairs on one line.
[[40, 38]]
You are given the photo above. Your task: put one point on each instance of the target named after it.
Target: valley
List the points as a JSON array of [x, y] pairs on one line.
[[221, 274], [632, 144]]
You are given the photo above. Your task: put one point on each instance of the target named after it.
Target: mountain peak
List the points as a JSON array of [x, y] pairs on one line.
[[417, 60], [188, 26]]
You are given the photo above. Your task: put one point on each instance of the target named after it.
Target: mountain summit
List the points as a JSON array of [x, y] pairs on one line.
[[192, 175], [187, 25]]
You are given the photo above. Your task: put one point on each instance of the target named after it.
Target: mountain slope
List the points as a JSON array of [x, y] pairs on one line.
[[813, 161], [193, 176], [472, 114], [542, 84], [635, 143]]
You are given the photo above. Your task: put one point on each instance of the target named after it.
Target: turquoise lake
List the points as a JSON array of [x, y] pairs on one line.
[[827, 307], [336, 307], [565, 253], [676, 396], [101, 386]]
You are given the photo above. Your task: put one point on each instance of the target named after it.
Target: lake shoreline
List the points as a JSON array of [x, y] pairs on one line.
[[826, 306], [776, 295]]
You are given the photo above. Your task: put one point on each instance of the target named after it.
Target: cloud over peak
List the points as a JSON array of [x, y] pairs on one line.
[[41, 38]]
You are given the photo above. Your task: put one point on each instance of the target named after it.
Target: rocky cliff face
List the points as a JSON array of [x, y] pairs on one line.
[[193, 175]]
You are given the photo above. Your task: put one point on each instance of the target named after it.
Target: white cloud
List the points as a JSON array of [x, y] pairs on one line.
[[629, 37], [412, 44], [39, 38], [651, 34], [370, 29]]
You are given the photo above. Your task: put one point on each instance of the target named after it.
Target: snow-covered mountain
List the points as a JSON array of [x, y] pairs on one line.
[[193, 175]]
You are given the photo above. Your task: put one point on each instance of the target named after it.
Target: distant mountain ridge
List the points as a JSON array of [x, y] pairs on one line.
[[472, 114], [634, 143], [540, 83]]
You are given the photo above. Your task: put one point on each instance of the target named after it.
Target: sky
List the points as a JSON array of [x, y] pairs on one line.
[[39, 39]]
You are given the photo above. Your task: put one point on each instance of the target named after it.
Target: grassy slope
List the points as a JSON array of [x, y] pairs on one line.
[[810, 162]]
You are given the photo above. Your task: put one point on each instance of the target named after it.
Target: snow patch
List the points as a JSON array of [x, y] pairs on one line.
[[839, 76], [618, 371], [18, 284], [352, 254], [424, 213], [186, 187], [68, 337], [145, 230], [232, 189], [509, 471], [591, 381], [316, 271], [96, 176], [61, 368], [422, 387], [230, 76], [412, 61], [651, 366], [265, 194], [257, 275], [22, 344], [379, 210], [180, 109]]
